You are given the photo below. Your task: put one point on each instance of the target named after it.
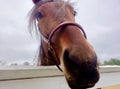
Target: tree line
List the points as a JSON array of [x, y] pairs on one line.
[[112, 61]]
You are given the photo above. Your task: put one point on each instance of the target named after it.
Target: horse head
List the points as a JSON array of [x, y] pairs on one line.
[[64, 43]]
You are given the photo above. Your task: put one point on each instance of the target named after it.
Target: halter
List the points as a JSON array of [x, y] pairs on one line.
[[51, 51]]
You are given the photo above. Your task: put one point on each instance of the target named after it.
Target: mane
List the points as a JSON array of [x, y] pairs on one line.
[[32, 19]]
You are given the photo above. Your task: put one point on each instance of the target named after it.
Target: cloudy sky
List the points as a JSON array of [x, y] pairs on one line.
[[99, 18]]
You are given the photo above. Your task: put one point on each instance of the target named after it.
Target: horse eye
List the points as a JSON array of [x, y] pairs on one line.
[[75, 13], [39, 15]]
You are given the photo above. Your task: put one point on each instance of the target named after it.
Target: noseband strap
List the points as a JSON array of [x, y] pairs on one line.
[[51, 51]]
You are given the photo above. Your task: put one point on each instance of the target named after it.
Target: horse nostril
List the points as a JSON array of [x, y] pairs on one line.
[[66, 59], [70, 59], [66, 54]]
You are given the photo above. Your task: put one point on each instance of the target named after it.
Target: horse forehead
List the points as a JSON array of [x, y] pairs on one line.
[[46, 6], [50, 5], [53, 9], [41, 2]]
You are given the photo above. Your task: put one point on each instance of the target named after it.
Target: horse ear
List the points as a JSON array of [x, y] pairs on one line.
[[35, 1]]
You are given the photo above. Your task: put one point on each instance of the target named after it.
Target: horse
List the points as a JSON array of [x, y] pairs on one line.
[[64, 43]]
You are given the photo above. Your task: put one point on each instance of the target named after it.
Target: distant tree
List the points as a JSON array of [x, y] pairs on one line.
[[2, 63], [14, 64], [26, 63], [112, 61], [99, 63]]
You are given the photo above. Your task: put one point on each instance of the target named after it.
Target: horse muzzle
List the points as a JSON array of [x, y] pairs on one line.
[[79, 73]]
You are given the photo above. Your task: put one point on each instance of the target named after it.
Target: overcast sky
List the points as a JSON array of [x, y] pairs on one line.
[[99, 18]]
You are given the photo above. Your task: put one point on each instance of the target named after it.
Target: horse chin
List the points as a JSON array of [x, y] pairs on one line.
[[75, 86]]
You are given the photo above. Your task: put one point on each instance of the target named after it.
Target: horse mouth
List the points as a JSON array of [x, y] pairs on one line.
[[84, 85]]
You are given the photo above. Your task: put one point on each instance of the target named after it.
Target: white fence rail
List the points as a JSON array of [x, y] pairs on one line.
[[49, 77]]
